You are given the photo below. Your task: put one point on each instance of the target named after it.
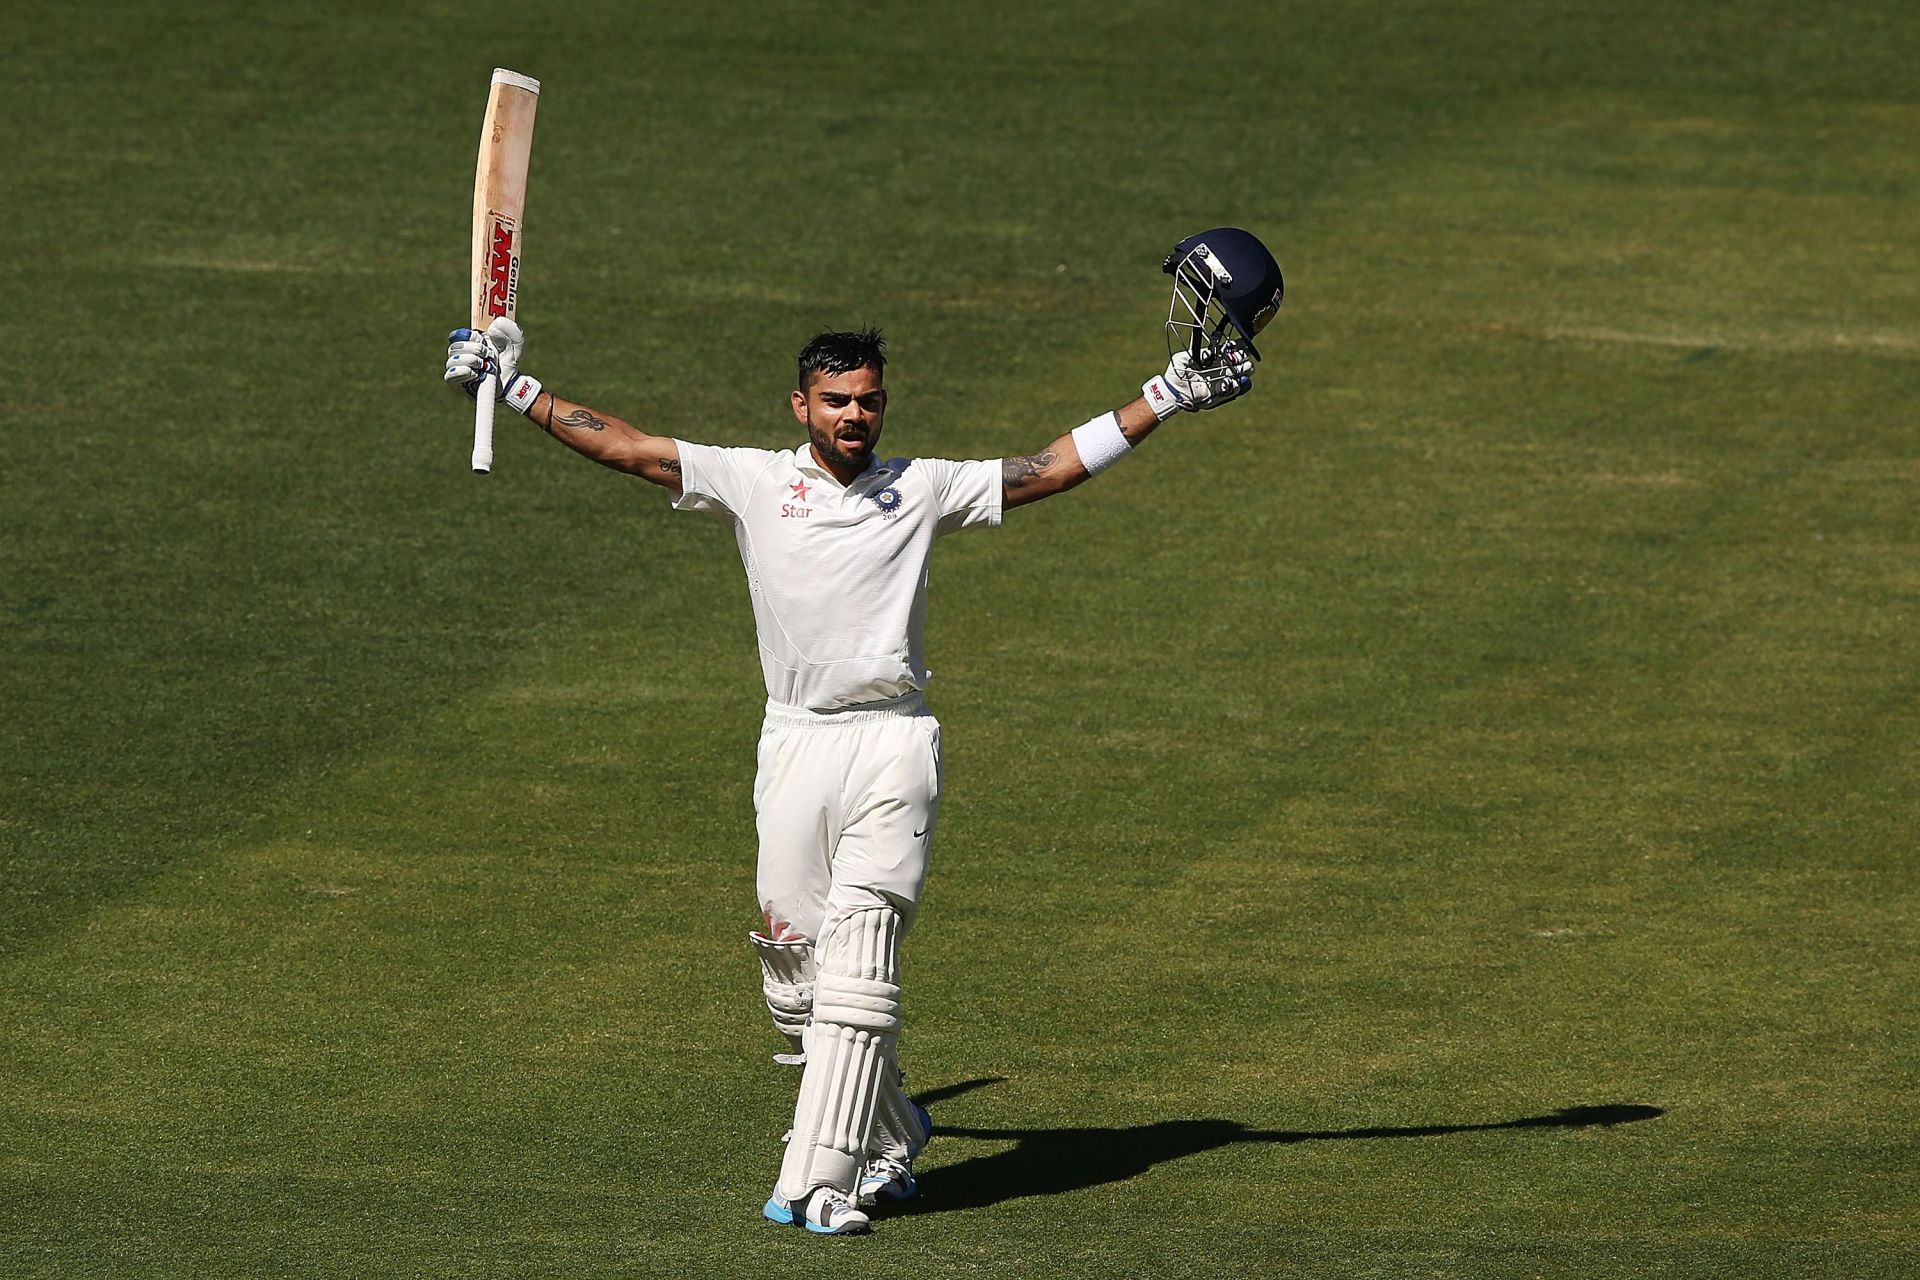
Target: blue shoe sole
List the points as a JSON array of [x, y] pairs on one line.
[[774, 1211]]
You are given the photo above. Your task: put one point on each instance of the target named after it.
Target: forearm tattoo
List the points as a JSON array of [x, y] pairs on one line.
[[1015, 473], [582, 418]]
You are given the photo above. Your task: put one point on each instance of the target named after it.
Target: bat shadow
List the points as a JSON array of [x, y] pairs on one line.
[[1044, 1162]]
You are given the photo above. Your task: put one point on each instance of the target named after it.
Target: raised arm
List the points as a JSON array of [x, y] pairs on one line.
[[1226, 288], [607, 440], [1190, 383], [1058, 468]]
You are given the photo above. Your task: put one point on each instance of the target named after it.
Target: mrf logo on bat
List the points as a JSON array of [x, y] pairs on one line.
[[503, 267]]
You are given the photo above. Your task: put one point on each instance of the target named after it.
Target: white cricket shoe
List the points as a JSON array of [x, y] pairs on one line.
[[890, 1179], [826, 1211], [887, 1179]]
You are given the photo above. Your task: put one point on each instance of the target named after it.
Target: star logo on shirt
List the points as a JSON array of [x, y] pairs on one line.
[[799, 488]]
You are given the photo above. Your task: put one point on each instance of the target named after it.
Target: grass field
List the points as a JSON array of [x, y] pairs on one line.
[[1451, 814]]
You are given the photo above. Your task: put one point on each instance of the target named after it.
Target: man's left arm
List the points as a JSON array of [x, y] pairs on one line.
[[1058, 468], [1190, 384]]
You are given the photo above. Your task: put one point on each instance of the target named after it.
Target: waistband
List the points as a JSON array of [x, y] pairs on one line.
[[907, 705]]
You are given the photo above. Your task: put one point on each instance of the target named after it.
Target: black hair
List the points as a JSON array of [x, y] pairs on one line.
[[830, 353]]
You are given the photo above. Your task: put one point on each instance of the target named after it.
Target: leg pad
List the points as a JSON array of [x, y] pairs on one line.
[[900, 1126], [787, 980], [856, 1016]]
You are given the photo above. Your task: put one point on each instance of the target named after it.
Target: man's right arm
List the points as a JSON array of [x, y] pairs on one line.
[[609, 441]]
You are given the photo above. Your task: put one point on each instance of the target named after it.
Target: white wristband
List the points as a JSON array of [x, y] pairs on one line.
[[522, 392], [1100, 443]]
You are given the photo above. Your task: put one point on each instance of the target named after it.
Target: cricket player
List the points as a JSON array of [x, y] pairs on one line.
[[836, 538]]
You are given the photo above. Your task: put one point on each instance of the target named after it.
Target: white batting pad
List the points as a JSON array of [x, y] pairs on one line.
[[856, 1016], [897, 1130], [786, 978]]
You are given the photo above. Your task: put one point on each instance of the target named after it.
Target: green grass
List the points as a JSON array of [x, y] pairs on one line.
[[1503, 722]]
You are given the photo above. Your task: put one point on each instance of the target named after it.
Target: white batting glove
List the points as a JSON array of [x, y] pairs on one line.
[[472, 356], [1203, 380]]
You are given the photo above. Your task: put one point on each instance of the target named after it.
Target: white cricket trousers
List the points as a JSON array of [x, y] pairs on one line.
[[845, 804]]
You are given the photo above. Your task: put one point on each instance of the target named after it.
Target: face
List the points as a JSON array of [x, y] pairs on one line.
[[843, 413]]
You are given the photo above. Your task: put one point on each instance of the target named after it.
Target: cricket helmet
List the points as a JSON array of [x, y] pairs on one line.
[[1224, 277]]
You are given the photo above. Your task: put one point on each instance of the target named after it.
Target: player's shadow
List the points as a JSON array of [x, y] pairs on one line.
[[1050, 1161]]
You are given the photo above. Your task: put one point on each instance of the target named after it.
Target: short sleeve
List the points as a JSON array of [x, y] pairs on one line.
[[968, 493], [717, 478]]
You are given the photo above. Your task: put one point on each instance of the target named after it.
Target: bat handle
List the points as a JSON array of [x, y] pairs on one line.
[[483, 424]]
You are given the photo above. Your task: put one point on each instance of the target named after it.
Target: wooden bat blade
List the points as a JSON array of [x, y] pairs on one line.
[[499, 212]]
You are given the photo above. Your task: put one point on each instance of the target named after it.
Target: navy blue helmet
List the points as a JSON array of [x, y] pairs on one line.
[[1224, 277]]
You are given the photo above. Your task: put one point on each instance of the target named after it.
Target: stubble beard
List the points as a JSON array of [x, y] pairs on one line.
[[828, 447]]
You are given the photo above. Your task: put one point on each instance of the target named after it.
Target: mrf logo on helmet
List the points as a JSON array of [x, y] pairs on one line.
[[1222, 279]]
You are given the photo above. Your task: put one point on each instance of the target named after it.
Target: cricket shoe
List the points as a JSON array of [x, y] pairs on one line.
[[890, 1179], [887, 1179], [826, 1211]]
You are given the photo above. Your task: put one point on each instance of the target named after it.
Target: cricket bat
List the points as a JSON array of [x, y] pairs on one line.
[[499, 207]]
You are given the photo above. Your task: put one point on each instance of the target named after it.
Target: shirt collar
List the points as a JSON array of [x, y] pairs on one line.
[[807, 464]]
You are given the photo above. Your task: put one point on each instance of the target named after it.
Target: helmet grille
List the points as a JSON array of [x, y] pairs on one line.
[[1196, 321]]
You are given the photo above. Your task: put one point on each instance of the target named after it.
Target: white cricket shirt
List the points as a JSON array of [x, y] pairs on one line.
[[838, 573]]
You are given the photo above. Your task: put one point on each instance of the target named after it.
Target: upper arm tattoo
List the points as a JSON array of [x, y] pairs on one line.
[[670, 465], [579, 417], [1017, 473]]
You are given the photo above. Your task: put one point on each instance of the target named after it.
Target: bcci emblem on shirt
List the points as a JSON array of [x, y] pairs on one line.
[[888, 500]]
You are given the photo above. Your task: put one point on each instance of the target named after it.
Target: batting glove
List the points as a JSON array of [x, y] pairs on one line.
[[472, 356], [1200, 380]]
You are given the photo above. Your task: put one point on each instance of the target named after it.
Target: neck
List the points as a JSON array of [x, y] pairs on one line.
[[845, 472]]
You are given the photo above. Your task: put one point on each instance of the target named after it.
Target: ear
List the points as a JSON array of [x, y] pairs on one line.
[[800, 406]]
